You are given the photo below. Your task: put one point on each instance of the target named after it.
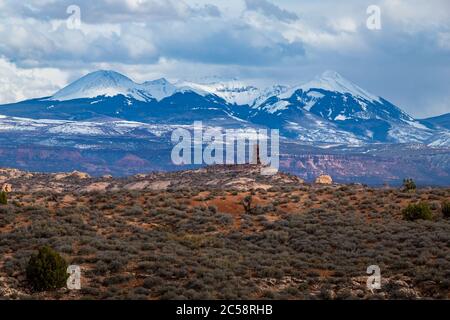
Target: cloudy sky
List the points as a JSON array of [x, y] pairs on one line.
[[42, 48]]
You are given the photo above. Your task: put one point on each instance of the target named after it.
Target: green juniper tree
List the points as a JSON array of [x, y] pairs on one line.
[[47, 270], [417, 211], [446, 209], [3, 197], [409, 184]]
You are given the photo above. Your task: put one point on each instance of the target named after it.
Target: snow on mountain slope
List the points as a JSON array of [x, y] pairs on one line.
[[239, 93], [440, 140], [111, 83], [275, 90], [233, 92], [101, 83], [277, 106], [102, 127], [159, 89], [333, 81], [198, 88], [337, 99], [350, 107], [404, 133], [327, 109], [313, 129]]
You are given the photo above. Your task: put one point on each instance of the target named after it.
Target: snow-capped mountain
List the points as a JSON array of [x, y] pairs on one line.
[[237, 92], [233, 92], [159, 89], [333, 81], [328, 109], [106, 83], [101, 83], [351, 108], [334, 98]]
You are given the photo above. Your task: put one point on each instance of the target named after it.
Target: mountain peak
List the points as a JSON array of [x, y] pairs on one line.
[[330, 74], [105, 72], [333, 81], [107, 75], [94, 84], [159, 88]]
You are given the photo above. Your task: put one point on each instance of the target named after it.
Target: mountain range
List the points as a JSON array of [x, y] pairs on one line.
[[105, 110]]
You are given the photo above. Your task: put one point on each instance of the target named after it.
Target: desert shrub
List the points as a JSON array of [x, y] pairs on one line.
[[139, 291], [133, 211], [108, 206], [116, 265], [86, 250], [3, 197], [91, 291], [434, 205], [417, 211], [247, 203], [224, 219], [213, 209], [116, 279], [446, 209], [151, 282], [409, 184], [47, 270]]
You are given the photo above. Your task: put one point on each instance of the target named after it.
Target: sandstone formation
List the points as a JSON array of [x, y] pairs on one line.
[[324, 179], [74, 174], [7, 187]]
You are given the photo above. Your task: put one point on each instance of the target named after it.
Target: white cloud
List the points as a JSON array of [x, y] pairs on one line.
[[270, 10], [346, 24], [283, 41], [18, 84], [417, 15]]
